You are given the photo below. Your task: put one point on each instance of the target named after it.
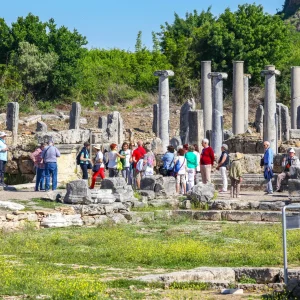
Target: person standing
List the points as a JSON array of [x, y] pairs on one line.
[[99, 166], [207, 159], [149, 161], [3, 157], [126, 162], [291, 160], [196, 152], [268, 166], [50, 155], [191, 159], [137, 154], [223, 165], [180, 176], [235, 174], [37, 159], [85, 161], [112, 160], [168, 160]]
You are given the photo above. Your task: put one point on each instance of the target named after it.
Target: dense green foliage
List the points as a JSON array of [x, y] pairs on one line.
[[40, 61]]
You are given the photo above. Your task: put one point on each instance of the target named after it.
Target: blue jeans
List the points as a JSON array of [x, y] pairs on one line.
[[2, 170], [51, 170], [40, 179]]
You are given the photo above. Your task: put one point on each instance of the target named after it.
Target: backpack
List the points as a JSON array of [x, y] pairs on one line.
[[123, 160], [140, 165], [178, 166], [79, 155]]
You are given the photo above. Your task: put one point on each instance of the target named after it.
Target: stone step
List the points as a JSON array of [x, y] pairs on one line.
[[246, 205]]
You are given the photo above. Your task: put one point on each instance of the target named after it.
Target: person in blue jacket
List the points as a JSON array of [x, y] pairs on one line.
[[268, 166]]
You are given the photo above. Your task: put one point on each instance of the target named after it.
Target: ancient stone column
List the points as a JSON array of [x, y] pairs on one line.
[[270, 131], [295, 91], [206, 96], [238, 115], [164, 110], [12, 120], [75, 115], [246, 100], [217, 119], [196, 130], [155, 123]]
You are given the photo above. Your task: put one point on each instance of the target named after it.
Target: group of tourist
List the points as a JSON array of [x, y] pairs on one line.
[[134, 161]]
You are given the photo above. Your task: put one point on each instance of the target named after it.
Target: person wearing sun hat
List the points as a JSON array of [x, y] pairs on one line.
[[235, 174], [98, 168], [3, 157], [287, 163]]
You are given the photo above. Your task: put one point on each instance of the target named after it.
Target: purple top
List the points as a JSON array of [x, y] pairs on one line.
[[50, 154]]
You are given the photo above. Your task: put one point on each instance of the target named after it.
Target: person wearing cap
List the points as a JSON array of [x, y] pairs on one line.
[[291, 160], [235, 174], [50, 155], [3, 157], [223, 165], [98, 166]]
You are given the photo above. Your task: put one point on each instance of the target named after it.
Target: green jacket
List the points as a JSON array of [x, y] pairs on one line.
[[191, 159], [235, 171]]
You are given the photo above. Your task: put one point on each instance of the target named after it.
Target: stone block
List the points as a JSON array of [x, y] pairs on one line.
[[241, 216], [32, 218], [41, 126], [271, 217], [92, 209], [113, 183], [188, 106], [196, 127], [88, 220], [148, 183], [155, 123], [73, 220], [294, 134], [11, 205], [78, 192], [176, 142], [101, 220], [118, 219], [202, 192], [75, 115], [208, 215], [147, 193], [261, 275], [163, 214], [165, 186], [54, 220], [294, 189]]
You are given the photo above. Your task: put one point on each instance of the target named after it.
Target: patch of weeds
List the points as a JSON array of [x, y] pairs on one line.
[[14, 179], [190, 285], [137, 195], [246, 279], [197, 205], [215, 195], [279, 295], [46, 203], [166, 206]]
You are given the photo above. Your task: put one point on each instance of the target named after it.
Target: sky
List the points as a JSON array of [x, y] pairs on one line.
[[115, 23]]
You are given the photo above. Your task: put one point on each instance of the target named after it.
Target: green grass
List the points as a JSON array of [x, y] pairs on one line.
[[102, 262]]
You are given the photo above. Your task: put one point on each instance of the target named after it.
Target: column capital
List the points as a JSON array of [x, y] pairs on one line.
[[165, 73], [248, 76], [269, 72], [218, 74]]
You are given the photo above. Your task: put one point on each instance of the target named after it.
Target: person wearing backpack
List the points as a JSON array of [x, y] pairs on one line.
[[98, 167], [149, 161], [168, 162], [113, 156], [180, 171], [84, 160], [223, 165]]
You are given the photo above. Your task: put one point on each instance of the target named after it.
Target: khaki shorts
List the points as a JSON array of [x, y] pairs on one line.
[[136, 174], [180, 179]]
